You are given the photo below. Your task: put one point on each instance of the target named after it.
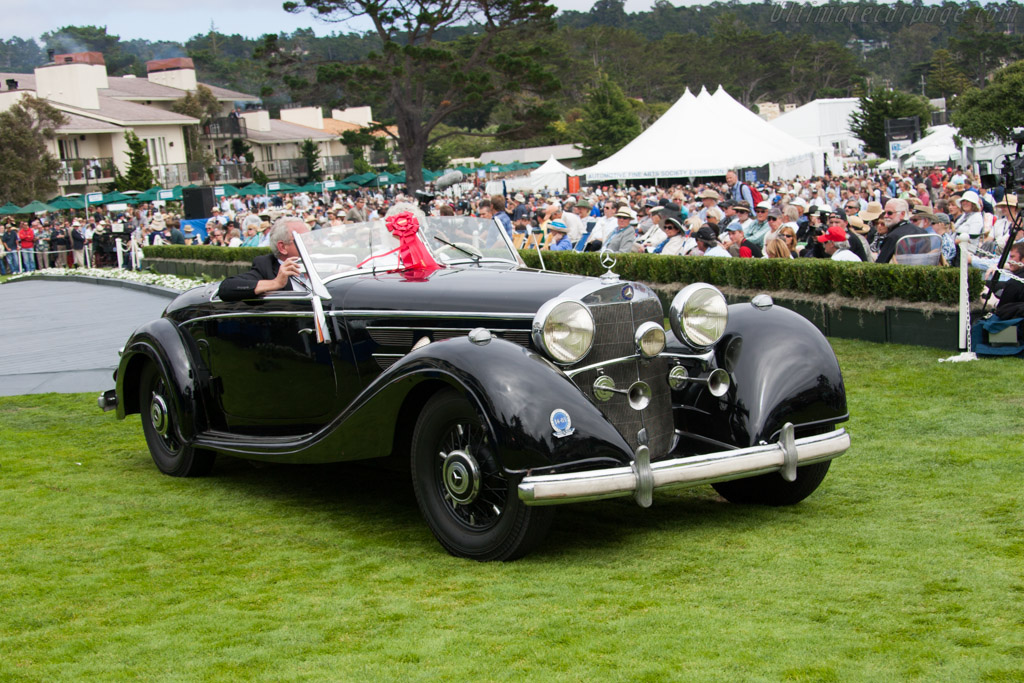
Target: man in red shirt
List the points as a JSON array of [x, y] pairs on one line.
[[26, 240]]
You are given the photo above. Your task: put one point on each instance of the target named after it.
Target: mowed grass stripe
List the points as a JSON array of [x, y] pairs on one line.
[[906, 563]]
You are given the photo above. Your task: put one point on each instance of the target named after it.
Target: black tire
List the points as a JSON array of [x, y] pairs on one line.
[[159, 424], [450, 444], [772, 489]]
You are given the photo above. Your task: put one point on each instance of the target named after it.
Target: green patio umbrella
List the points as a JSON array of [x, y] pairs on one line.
[[230, 190], [112, 197], [287, 187], [9, 209], [252, 190], [149, 195], [65, 203], [35, 207], [311, 187]]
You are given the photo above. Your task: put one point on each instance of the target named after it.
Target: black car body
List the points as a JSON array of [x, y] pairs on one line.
[[480, 371]]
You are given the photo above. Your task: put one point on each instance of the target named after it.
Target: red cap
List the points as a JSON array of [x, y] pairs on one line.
[[833, 234]]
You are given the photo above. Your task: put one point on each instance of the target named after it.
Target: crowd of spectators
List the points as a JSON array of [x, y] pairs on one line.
[[858, 217]]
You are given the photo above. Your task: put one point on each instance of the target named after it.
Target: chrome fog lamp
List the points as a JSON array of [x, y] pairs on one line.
[[564, 330], [650, 339], [699, 314]]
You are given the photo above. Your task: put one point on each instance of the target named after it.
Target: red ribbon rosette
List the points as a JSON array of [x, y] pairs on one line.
[[411, 250]]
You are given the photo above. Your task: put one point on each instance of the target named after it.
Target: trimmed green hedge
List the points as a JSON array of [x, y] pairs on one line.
[[205, 253], [812, 276], [935, 284]]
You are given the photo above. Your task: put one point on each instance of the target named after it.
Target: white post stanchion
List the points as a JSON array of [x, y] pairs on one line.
[[964, 326], [120, 256], [136, 258]]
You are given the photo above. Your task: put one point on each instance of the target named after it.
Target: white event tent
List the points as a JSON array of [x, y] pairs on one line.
[[551, 175], [706, 135], [938, 147]]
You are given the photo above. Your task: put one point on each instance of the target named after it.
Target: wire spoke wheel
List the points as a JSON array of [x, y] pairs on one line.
[[470, 506], [161, 427]]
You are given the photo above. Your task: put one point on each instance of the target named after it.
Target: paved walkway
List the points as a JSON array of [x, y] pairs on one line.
[[63, 336]]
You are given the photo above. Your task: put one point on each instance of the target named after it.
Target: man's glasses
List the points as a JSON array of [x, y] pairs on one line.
[[892, 213], [773, 218]]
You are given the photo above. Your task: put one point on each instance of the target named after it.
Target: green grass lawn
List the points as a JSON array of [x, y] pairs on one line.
[[908, 562]]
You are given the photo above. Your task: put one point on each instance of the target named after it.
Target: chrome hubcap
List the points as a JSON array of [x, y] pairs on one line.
[[158, 414], [461, 476]]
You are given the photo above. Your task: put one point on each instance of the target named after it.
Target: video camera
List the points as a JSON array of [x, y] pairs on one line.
[[1013, 167]]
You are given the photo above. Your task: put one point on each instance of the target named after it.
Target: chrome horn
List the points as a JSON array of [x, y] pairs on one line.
[[718, 380]]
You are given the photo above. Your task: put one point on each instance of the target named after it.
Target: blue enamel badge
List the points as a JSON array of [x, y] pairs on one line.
[[561, 423], [627, 292]]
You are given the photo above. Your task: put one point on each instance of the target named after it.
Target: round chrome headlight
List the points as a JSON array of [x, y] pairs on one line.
[[564, 330], [650, 339], [699, 314]]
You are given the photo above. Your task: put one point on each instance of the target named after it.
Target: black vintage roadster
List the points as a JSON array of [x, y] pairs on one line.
[[509, 390]]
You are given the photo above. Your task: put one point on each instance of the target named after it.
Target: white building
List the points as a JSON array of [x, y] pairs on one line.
[[101, 108], [823, 124]]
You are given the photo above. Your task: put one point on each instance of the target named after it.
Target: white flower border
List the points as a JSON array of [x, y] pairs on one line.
[[142, 277]]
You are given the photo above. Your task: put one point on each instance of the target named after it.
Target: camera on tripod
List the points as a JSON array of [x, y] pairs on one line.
[[1013, 167]]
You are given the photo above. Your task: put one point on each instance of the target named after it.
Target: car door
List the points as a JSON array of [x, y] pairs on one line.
[[268, 371]]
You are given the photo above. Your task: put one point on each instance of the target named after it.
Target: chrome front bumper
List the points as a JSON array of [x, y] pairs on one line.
[[641, 478]]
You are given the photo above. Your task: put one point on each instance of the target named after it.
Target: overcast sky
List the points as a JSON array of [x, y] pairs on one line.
[[182, 19]]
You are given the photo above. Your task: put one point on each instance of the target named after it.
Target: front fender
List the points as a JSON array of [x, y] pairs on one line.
[[159, 342], [782, 370], [515, 391]]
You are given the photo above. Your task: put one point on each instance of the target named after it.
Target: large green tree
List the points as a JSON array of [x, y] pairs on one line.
[[608, 122], [425, 78], [27, 169], [139, 174], [992, 112], [868, 122]]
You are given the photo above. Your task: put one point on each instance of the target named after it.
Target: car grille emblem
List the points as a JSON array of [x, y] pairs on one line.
[[561, 423], [627, 292]]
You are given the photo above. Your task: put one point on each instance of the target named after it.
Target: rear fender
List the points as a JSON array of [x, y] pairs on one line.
[[782, 370]]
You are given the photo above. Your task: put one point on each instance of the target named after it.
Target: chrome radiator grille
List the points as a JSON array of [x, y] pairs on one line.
[[615, 324]]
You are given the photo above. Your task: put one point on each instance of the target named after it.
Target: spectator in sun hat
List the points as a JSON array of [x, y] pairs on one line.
[[971, 224], [759, 227], [943, 227], [857, 231], [1006, 212], [709, 199], [623, 238], [557, 237], [675, 241]]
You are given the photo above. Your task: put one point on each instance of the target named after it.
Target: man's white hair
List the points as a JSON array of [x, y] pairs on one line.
[[281, 232]]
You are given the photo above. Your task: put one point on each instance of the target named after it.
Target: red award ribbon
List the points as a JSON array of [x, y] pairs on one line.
[[411, 250]]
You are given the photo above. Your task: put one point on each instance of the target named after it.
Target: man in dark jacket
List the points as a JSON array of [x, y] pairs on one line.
[[278, 270], [896, 226]]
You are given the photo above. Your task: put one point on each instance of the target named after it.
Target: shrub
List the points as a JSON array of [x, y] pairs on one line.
[[935, 284], [204, 253]]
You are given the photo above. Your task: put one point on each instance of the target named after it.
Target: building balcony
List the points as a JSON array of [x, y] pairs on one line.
[[85, 171], [339, 166], [284, 169], [225, 127], [169, 175]]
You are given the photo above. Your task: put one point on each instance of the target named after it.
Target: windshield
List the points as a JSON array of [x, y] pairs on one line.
[[370, 246]]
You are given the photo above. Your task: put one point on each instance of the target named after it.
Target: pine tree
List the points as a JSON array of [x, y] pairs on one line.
[[311, 153], [139, 175], [608, 122], [944, 79]]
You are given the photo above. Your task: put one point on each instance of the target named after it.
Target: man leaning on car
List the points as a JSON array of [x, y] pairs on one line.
[[278, 270]]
